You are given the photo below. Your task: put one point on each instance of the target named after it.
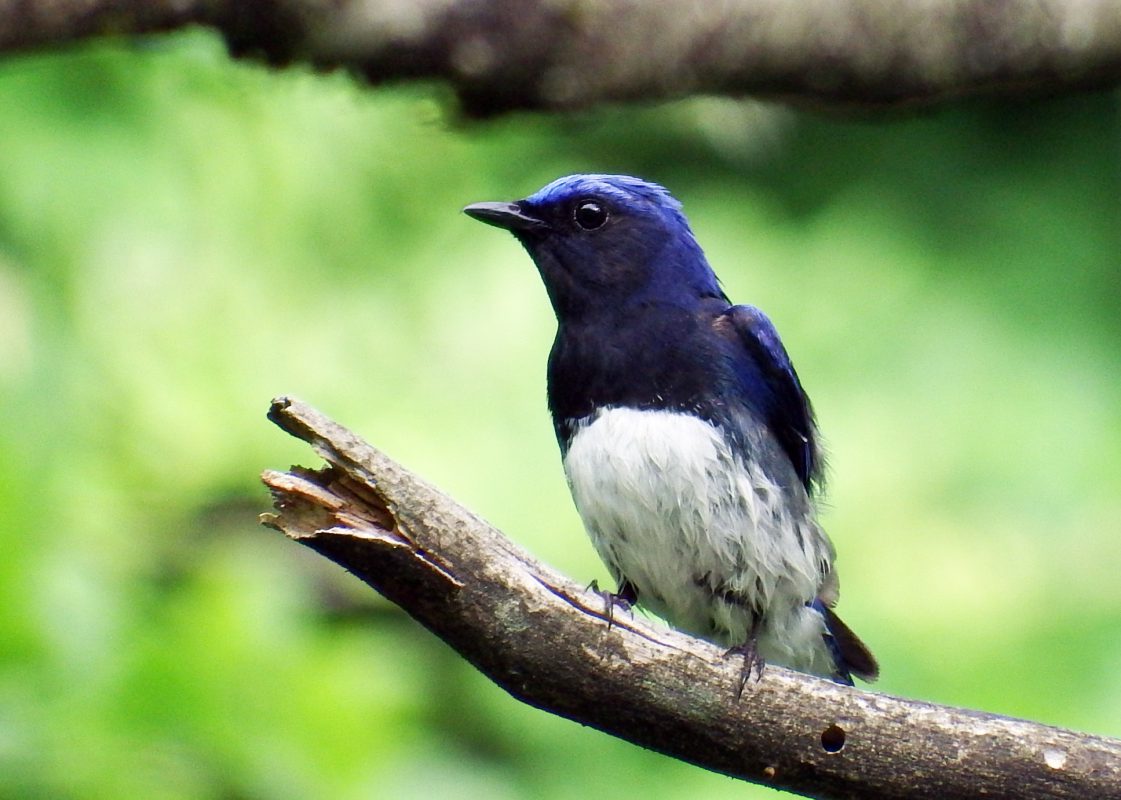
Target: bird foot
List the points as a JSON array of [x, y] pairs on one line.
[[753, 661], [623, 599]]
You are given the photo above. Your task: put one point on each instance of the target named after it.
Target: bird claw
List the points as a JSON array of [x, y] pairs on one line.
[[624, 599], [753, 661]]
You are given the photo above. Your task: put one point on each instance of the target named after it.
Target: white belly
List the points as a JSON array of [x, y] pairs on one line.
[[691, 525]]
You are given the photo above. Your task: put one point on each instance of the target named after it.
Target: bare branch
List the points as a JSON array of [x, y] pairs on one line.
[[545, 640], [566, 54]]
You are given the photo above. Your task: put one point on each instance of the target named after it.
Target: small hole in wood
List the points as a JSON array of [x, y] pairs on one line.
[[833, 739]]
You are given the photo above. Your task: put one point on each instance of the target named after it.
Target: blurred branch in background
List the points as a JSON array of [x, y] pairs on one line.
[[501, 55], [544, 639]]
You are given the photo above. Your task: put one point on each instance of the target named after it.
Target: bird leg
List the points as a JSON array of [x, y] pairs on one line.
[[752, 659], [625, 598]]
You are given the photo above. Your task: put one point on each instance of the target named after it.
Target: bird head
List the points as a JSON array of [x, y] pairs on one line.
[[602, 242]]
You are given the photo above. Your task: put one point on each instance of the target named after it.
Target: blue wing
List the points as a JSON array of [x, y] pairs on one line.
[[785, 406]]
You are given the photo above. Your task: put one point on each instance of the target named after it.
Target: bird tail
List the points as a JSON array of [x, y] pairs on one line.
[[852, 656]]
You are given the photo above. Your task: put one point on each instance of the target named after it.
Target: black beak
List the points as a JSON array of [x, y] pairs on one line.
[[504, 215]]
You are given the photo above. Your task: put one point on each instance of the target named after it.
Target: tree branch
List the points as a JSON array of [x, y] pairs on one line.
[[567, 54], [545, 640]]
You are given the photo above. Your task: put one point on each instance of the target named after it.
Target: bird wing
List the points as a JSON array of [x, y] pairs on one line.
[[786, 407]]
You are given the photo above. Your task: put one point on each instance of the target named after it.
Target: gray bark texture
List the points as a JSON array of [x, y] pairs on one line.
[[500, 55], [545, 639]]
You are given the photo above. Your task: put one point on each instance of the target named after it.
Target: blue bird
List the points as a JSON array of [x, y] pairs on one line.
[[688, 443]]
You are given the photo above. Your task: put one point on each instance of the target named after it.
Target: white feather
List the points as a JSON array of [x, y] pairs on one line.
[[670, 507]]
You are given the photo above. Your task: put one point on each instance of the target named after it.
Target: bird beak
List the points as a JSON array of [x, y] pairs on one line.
[[504, 215]]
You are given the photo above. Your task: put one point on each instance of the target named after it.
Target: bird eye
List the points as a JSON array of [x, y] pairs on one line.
[[590, 215]]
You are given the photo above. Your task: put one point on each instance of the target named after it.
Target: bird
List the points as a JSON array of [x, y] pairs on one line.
[[688, 443]]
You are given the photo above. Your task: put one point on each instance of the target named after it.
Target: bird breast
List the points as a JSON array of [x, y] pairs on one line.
[[698, 528]]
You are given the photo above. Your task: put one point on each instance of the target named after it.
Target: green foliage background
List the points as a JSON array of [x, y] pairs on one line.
[[182, 238]]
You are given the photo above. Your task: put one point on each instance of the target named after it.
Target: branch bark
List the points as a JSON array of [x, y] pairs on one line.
[[545, 640], [566, 54]]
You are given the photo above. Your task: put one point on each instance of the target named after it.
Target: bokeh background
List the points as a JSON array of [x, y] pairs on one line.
[[183, 237]]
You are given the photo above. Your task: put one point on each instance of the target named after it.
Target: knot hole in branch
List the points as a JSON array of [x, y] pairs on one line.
[[833, 739]]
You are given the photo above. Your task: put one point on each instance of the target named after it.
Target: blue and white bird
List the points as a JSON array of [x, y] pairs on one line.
[[689, 445]]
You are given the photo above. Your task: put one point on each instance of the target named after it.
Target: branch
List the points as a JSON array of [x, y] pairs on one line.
[[545, 640], [567, 54]]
